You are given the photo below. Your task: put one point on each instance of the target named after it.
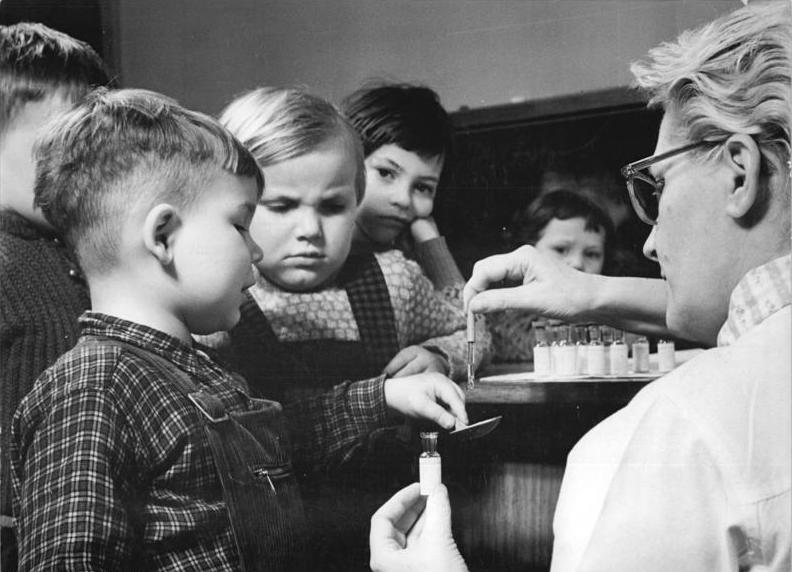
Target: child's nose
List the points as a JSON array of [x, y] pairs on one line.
[[575, 260], [309, 225], [256, 254], [400, 196]]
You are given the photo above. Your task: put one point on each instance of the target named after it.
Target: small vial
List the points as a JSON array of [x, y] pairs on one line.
[[429, 466], [666, 360], [618, 354], [581, 364], [607, 340], [541, 350], [552, 336], [640, 350], [596, 352], [564, 358]]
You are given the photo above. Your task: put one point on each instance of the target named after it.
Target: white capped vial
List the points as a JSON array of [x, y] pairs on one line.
[[666, 360], [564, 358], [581, 363], [607, 340], [618, 355], [541, 350], [596, 352], [640, 351], [429, 466]]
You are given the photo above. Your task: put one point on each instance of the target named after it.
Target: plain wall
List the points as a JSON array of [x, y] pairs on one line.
[[475, 53]]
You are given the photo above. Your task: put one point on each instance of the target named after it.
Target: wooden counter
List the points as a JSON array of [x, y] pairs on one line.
[[504, 487]]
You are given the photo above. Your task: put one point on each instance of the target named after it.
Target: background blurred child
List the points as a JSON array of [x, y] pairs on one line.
[[565, 225], [42, 292], [114, 461]]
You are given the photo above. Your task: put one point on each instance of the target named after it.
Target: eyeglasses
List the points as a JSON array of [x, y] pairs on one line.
[[644, 189]]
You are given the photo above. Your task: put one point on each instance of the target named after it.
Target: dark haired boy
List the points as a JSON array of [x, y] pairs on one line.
[[407, 136], [42, 73]]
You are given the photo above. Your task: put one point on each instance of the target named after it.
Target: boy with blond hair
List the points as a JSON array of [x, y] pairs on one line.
[[136, 449]]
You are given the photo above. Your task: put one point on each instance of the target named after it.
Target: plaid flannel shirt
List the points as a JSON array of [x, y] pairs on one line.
[[112, 470]]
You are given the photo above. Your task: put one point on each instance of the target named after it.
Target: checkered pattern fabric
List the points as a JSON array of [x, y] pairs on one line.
[[111, 467], [371, 305], [420, 315], [760, 293]]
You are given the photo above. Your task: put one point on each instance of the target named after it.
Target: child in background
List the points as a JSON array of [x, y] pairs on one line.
[[317, 316], [407, 138], [42, 292], [129, 452], [565, 225]]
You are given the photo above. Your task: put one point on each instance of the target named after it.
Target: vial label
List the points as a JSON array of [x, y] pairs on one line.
[[618, 361], [581, 362], [541, 357], [565, 362], [665, 356], [596, 360], [641, 357], [429, 473]]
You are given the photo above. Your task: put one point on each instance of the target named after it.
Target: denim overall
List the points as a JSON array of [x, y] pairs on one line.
[[252, 455], [339, 505]]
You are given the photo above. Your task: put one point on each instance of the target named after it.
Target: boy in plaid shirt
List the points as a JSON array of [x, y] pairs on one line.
[[111, 467]]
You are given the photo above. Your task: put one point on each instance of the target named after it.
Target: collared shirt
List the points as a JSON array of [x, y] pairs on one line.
[[694, 474], [112, 470]]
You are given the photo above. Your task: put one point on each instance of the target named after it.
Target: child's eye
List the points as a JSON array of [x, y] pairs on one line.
[[593, 254], [560, 249], [334, 208], [386, 173], [278, 207], [425, 189]]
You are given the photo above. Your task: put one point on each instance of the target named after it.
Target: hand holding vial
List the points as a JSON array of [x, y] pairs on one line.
[[413, 532]]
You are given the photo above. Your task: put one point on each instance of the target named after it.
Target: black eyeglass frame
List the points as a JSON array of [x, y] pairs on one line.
[[633, 170]]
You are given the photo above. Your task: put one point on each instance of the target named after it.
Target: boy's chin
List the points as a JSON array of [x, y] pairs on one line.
[[301, 281]]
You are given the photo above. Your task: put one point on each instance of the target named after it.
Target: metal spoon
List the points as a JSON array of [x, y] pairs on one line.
[[478, 429]]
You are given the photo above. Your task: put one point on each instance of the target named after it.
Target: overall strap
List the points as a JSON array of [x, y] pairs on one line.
[[258, 354], [371, 305], [255, 473]]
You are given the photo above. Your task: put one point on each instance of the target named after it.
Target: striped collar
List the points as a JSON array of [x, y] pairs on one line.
[[760, 293]]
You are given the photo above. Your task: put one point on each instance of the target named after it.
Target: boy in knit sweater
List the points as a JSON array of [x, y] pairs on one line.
[[42, 73], [317, 316], [136, 450]]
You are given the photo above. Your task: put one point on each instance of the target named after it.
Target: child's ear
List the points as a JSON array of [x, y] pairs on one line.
[[158, 230], [742, 156]]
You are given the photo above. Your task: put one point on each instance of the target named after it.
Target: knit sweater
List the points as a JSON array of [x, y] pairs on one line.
[[41, 295], [420, 315]]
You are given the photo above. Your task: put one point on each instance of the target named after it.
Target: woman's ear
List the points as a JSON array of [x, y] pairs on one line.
[[742, 156], [158, 231]]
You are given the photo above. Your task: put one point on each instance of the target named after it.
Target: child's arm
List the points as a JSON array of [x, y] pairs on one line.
[[432, 254], [326, 430], [67, 458]]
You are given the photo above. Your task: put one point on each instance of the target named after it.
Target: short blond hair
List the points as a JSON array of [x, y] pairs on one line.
[[278, 123]]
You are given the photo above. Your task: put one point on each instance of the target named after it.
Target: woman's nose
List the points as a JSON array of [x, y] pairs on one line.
[[649, 249]]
